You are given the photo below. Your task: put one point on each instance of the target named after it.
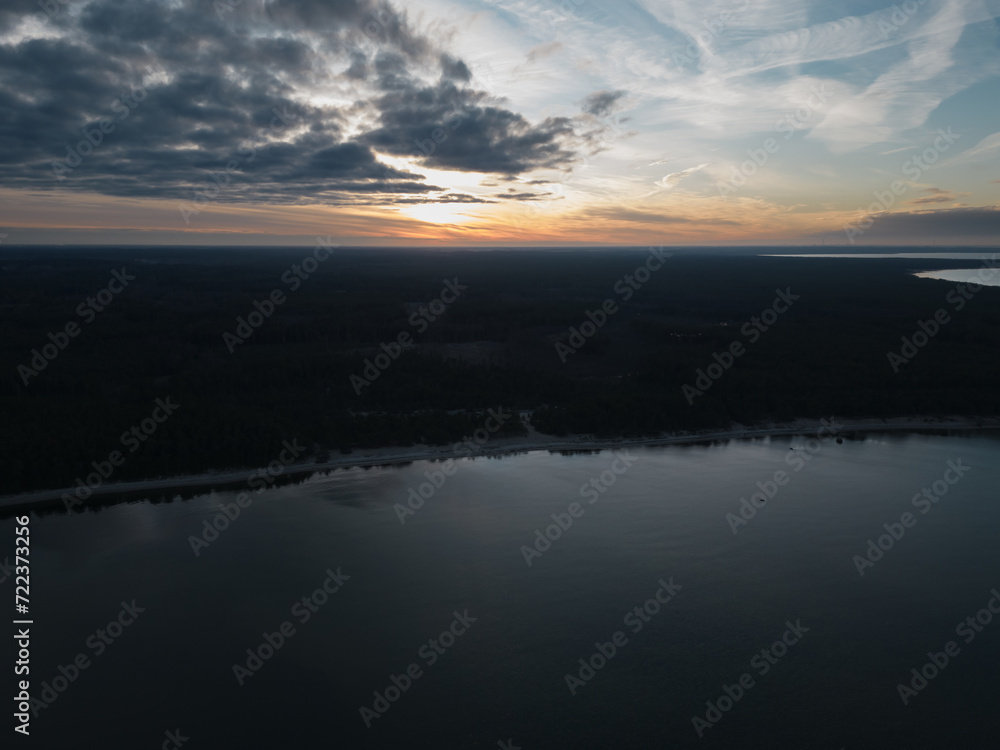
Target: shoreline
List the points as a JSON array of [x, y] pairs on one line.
[[390, 456]]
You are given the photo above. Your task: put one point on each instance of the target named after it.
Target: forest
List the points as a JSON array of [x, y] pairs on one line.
[[365, 347]]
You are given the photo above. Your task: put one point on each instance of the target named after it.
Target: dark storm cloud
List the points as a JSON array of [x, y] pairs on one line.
[[317, 14], [453, 128], [359, 68], [455, 69], [392, 71], [379, 22], [11, 11], [183, 89]]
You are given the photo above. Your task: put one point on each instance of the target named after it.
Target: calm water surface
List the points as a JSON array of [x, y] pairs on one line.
[[504, 676]]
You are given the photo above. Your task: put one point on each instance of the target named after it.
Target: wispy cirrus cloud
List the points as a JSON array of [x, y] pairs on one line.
[[674, 178], [936, 196]]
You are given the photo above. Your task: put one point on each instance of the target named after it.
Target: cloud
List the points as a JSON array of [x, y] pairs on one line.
[[380, 93], [603, 103], [987, 148], [854, 36], [937, 195], [979, 224], [896, 150], [528, 196], [455, 69], [673, 179], [543, 50], [352, 77], [459, 129], [934, 199], [651, 216]]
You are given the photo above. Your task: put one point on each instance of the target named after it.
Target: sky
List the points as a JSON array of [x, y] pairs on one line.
[[500, 122]]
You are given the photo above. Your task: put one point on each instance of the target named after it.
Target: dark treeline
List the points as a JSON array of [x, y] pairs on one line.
[[493, 347]]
